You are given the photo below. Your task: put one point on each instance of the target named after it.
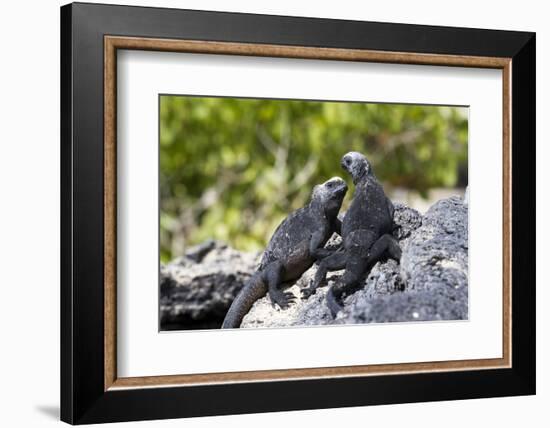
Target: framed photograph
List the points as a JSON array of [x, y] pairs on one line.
[[266, 213]]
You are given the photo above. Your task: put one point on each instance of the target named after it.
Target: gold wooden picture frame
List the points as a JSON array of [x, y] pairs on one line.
[[113, 43]]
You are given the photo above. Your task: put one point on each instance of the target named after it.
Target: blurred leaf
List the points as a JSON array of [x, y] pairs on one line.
[[232, 169]]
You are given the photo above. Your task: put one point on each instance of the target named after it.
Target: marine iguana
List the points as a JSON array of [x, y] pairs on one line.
[[366, 233], [295, 245]]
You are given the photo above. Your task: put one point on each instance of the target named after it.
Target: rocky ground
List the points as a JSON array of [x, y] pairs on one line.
[[430, 283], [197, 289]]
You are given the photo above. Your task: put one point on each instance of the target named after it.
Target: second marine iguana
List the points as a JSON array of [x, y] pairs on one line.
[[296, 244], [366, 233]]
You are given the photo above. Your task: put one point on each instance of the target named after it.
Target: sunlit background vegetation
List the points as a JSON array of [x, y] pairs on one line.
[[232, 169]]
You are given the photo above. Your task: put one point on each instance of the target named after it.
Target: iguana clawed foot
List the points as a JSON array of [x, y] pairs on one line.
[[332, 302], [308, 292], [282, 299]]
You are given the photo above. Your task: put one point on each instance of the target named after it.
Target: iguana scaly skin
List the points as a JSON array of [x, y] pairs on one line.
[[296, 244], [366, 233]]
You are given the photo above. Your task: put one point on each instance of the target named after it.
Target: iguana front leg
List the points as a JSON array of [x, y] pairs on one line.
[[273, 275], [357, 266], [317, 243], [386, 244], [336, 261]]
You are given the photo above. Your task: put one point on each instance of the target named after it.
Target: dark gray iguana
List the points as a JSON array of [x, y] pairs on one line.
[[296, 244], [366, 233]]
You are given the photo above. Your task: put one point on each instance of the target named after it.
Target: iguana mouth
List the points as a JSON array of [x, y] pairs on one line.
[[341, 191], [337, 187]]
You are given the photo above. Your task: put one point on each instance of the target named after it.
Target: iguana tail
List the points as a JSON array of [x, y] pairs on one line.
[[253, 290]]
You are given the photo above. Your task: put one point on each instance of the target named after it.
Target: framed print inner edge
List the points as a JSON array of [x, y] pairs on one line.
[[112, 43]]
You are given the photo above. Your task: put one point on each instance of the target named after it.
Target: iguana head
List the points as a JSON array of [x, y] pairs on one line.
[[330, 195], [356, 165]]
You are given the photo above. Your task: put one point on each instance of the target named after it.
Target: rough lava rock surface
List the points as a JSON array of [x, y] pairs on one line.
[[197, 289], [430, 283]]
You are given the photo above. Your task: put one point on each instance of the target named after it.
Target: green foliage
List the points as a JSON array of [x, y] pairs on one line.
[[231, 168]]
